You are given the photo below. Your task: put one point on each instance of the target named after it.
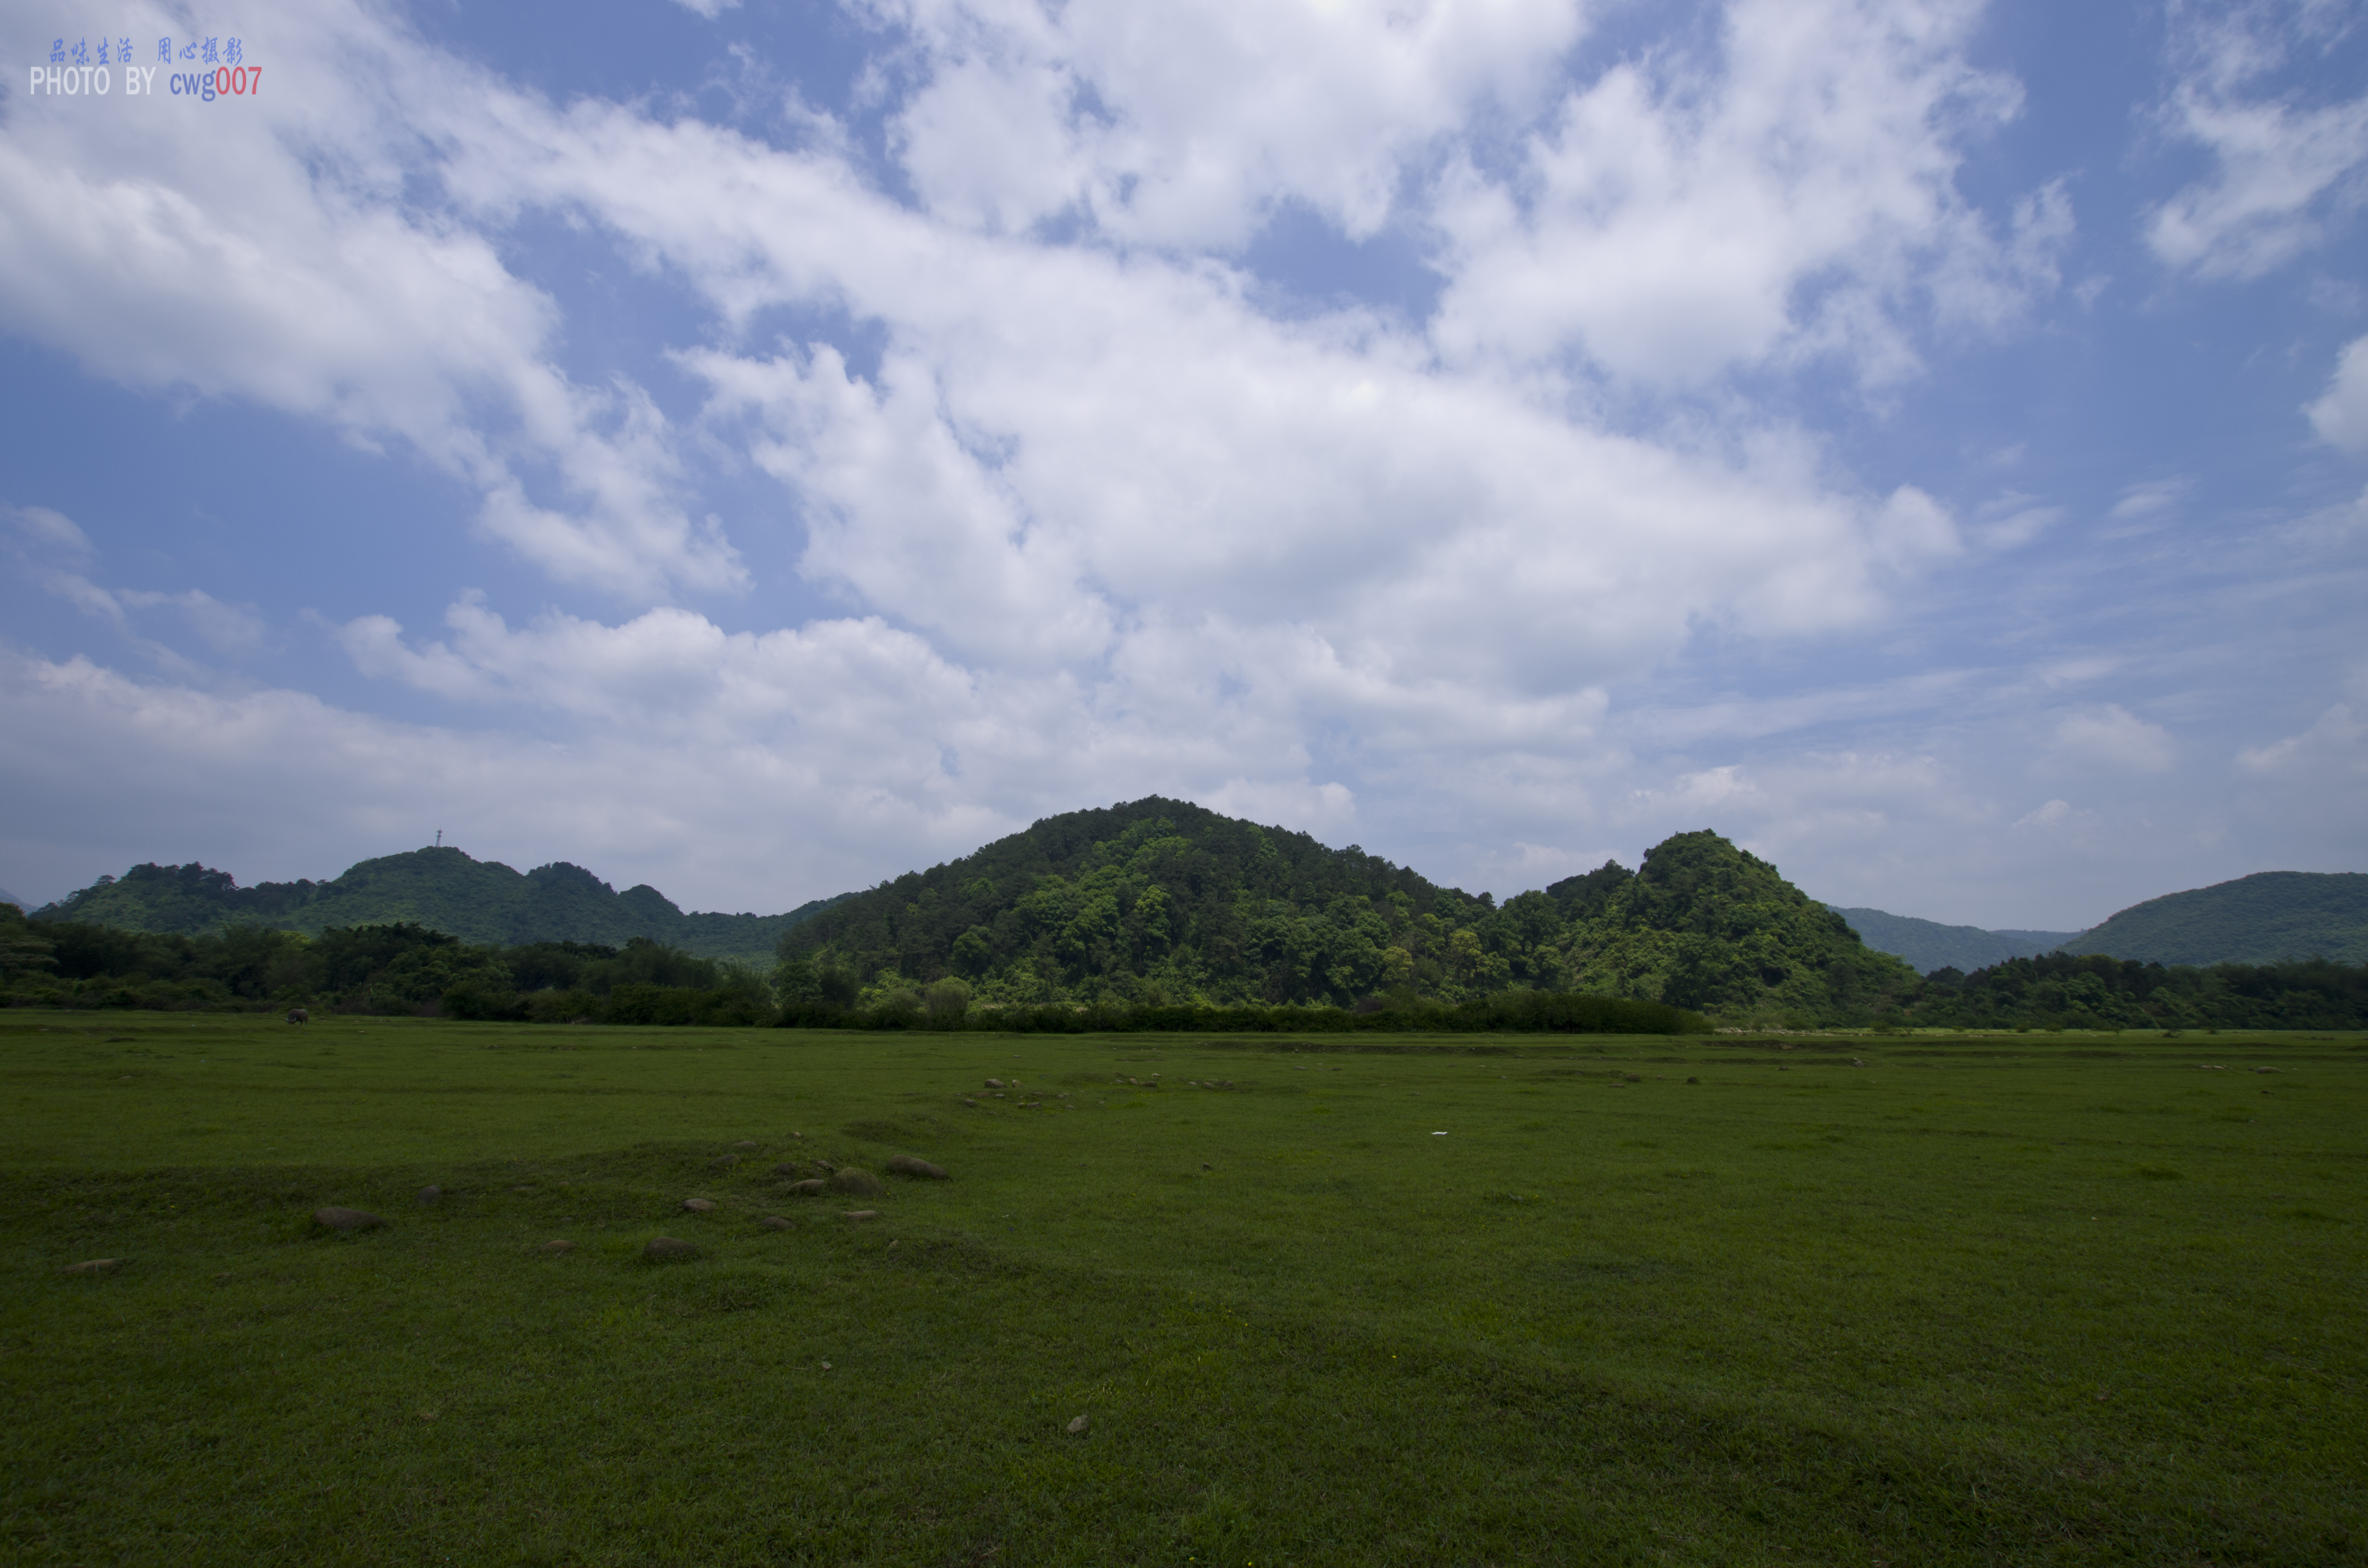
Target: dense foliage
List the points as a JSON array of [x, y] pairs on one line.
[[1161, 903], [2070, 991], [1164, 916], [2259, 919], [397, 969], [482, 902]]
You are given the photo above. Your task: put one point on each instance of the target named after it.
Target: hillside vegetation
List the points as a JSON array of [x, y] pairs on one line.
[[2262, 919], [480, 902], [1161, 903]]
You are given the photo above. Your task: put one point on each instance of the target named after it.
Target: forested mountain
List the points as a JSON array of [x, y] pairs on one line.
[[1927, 945], [1161, 901], [2263, 919], [8, 897], [480, 902]]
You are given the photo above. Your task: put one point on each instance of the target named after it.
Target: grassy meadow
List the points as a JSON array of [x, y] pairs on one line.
[[1903, 1299]]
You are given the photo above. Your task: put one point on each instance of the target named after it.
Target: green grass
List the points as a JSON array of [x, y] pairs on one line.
[[1997, 1300]]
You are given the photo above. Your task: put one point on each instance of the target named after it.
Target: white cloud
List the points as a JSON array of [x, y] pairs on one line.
[[2280, 165], [1182, 126], [2340, 417], [279, 256], [1791, 198], [2110, 736], [2336, 747]]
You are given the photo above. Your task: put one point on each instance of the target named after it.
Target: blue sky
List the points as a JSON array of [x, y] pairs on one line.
[[757, 450]]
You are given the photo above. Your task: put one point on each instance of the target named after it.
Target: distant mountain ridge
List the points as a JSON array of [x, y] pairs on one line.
[[481, 901], [1927, 945], [8, 897], [2263, 919]]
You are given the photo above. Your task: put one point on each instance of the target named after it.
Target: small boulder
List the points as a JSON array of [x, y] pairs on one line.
[[855, 1183], [1078, 1426], [698, 1205], [860, 1214], [774, 1222], [746, 1143], [812, 1186], [906, 1164], [346, 1219], [557, 1247], [723, 1163], [95, 1265], [791, 1169], [995, 1082], [431, 1194], [665, 1249]]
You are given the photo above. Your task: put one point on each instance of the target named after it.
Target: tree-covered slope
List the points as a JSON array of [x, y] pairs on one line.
[[1927, 945], [2263, 919], [1160, 901], [480, 902], [1704, 925]]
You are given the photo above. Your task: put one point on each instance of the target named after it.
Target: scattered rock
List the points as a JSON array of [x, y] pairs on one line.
[[95, 1265], [665, 1249], [812, 1186], [968, 1101], [790, 1168], [698, 1205], [1079, 1424], [1633, 1077], [723, 1163], [346, 1220], [1693, 1080], [746, 1143], [995, 1082], [774, 1222], [860, 1214], [431, 1194], [906, 1164], [558, 1246], [1207, 1167], [855, 1183]]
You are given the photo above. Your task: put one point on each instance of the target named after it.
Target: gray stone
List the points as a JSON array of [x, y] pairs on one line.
[[860, 1214], [855, 1183], [774, 1222], [665, 1249], [346, 1220], [1078, 1426], [698, 1205], [431, 1194], [95, 1265], [790, 1168], [906, 1165], [995, 1082], [558, 1246], [812, 1186], [746, 1143], [723, 1163]]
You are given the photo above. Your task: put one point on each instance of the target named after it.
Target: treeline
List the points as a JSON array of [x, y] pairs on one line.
[[2092, 992], [400, 968]]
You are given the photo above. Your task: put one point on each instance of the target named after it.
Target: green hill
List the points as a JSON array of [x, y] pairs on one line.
[[481, 901], [2262, 919], [1161, 901], [1927, 945]]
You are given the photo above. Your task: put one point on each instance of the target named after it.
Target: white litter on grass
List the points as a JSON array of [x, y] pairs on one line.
[[1438, 1135]]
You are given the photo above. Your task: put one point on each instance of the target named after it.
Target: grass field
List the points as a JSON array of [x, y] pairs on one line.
[[2024, 1298]]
